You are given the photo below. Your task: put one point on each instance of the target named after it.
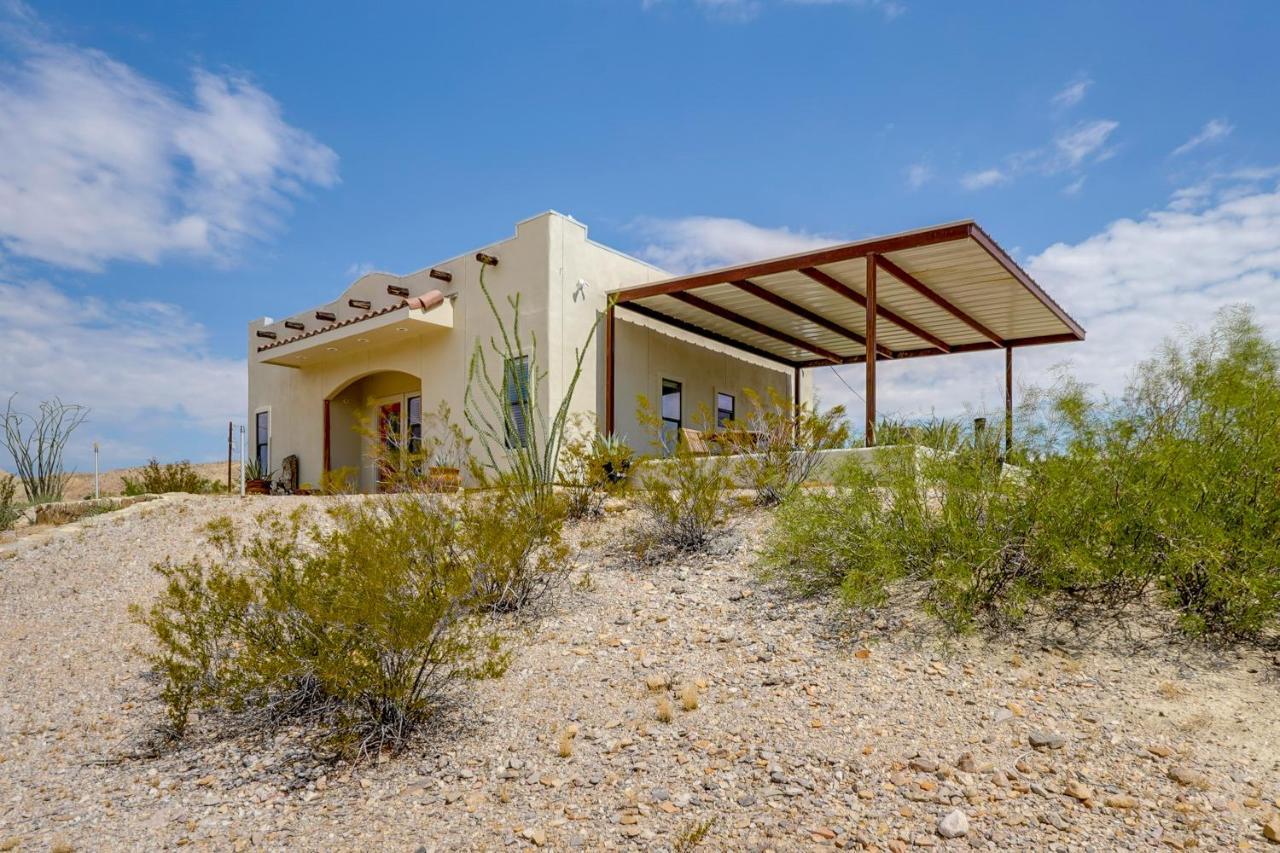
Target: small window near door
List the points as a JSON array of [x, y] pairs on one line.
[[672, 406], [414, 424], [262, 440], [725, 411], [516, 392]]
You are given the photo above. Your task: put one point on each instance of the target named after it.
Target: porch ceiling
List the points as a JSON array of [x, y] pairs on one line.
[[939, 290], [340, 340]]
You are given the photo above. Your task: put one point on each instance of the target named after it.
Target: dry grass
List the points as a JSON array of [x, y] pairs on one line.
[[1172, 690], [567, 735], [666, 712], [692, 834], [689, 697]]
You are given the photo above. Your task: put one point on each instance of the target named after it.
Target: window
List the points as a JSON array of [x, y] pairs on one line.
[[516, 391], [724, 409], [414, 405], [672, 391], [262, 441]]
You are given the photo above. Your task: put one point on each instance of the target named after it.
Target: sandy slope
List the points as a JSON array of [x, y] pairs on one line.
[[801, 739]]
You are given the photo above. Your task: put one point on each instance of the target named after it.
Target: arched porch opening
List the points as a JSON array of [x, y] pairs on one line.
[[380, 408]]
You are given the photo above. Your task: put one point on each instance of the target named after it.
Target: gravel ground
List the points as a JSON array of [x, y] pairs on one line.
[[809, 731]]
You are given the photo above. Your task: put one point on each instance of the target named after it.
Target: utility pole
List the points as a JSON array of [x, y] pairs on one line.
[[96, 492], [228, 457], [242, 460]]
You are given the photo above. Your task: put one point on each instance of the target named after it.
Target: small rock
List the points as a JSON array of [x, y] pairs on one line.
[[1184, 775], [1078, 790], [953, 825], [745, 800], [1121, 801], [924, 765], [1046, 740], [1271, 829], [537, 835]]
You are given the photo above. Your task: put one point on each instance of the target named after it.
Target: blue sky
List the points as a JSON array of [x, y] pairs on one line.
[[170, 170]]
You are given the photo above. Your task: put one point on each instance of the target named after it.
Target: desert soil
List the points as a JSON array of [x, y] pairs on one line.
[[812, 729]]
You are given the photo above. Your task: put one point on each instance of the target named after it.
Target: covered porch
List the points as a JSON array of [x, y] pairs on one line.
[[943, 290]]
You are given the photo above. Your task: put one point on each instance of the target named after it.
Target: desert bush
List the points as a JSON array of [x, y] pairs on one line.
[[935, 432], [362, 623], [157, 479], [682, 495], [1171, 488], [592, 467], [517, 555], [779, 443], [8, 501], [37, 443]]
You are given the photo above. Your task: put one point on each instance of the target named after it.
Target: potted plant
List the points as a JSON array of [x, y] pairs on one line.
[[443, 476], [256, 480], [614, 457], [449, 450]]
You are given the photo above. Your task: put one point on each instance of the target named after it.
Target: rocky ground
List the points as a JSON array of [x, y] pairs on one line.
[[809, 730]]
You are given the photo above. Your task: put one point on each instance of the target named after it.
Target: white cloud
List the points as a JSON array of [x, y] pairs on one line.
[[982, 180], [1213, 130], [1081, 143], [1074, 187], [705, 242], [1070, 150], [1072, 94], [1131, 285], [919, 174], [99, 163], [144, 368]]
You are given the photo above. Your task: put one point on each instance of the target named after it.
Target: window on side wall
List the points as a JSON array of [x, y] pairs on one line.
[[672, 405], [262, 440], [725, 409], [414, 431], [517, 393]]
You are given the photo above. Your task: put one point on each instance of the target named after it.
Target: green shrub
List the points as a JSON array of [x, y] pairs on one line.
[[780, 444], [516, 553], [934, 432], [681, 496], [157, 479], [363, 623], [8, 501], [1172, 488], [592, 467]]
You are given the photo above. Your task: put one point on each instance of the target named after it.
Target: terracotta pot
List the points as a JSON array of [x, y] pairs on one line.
[[257, 487], [444, 480]]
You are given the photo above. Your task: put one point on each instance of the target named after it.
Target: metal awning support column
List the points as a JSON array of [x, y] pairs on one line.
[[795, 405], [609, 342], [871, 351], [1008, 401]]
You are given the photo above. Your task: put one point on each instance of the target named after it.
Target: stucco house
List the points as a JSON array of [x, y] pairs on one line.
[[392, 347]]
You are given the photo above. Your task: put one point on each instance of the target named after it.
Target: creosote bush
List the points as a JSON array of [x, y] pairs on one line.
[[516, 549], [681, 496], [592, 467], [8, 501], [361, 621], [780, 444], [158, 479], [1171, 490]]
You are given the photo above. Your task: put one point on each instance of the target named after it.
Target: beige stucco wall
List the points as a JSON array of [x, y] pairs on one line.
[[563, 279]]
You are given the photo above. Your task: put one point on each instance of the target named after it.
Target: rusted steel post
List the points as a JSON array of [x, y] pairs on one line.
[[871, 351], [609, 343]]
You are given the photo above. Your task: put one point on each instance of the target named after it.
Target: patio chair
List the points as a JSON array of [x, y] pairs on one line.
[[695, 440]]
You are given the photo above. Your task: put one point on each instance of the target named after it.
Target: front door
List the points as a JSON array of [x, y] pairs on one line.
[[390, 442]]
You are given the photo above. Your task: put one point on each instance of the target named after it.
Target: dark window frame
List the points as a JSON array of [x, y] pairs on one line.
[[721, 419], [517, 395], [262, 439], [676, 387]]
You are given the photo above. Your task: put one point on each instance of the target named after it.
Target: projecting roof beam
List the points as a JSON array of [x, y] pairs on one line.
[[919, 287], [849, 293], [804, 313], [759, 328]]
